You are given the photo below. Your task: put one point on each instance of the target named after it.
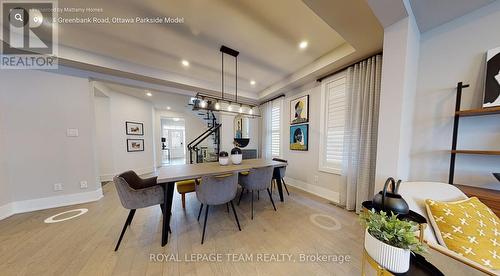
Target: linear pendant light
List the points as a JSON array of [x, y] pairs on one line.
[[212, 103]]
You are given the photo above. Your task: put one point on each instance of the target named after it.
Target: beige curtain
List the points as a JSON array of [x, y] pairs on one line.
[[360, 137]]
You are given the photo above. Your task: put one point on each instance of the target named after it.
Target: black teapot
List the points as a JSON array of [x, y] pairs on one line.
[[391, 201]]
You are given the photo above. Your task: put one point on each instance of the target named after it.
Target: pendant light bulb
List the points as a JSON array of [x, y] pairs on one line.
[[217, 105], [251, 111], [241, 109]]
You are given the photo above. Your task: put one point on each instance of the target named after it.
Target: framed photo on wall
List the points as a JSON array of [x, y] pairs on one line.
[[299, 110], [135, 145], [492, 88], [299, 137], [134, 128]]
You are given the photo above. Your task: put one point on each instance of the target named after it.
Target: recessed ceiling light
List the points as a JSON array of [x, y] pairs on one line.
[[252, 82], [149, 94], [168, 108], [303, 44], [185, 62]]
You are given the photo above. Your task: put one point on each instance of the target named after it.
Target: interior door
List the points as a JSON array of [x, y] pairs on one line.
[[176, 143]]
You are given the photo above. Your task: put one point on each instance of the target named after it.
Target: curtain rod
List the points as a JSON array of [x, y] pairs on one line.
[[272, 99], [345, 67]]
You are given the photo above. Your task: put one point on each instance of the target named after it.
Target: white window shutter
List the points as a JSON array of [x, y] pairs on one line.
[[275, 129], [333, 121]]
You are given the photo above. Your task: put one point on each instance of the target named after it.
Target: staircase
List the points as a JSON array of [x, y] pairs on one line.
[[206, 147]]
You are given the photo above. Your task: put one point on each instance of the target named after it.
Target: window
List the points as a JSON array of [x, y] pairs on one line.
[[276, 129], [333, 114]]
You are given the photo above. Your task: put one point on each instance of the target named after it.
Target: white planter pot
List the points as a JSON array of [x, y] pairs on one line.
[[391, 258], [236, 158]]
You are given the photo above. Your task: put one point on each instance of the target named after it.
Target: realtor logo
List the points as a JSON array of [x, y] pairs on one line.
[[29, 40]]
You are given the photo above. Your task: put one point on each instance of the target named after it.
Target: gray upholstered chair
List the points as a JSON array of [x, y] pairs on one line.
[[257, 180], [134, 193], [216, 190], [282, 171]]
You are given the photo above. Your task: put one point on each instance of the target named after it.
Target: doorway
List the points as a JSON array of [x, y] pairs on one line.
[[173, 139]]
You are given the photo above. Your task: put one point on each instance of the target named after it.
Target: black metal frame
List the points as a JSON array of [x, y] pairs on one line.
[[129, 122], [128, 149], [206, 217], [456, 121]]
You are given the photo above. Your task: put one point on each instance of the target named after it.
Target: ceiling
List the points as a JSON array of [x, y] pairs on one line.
[[267, 34], [162, 100], [431, 13]]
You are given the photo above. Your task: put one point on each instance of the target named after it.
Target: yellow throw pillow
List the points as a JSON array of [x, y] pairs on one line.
[[467, 227]]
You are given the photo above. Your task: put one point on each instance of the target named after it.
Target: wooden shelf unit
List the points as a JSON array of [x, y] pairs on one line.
[[478, 112], [489, 197], [480, 152]]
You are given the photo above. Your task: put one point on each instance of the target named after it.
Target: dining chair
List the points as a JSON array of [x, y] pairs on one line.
[[258, 179], [282, 171], [217, 190], [134, 193], [184, 187]]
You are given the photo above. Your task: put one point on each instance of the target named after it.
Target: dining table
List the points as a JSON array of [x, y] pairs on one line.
[[169, 175]]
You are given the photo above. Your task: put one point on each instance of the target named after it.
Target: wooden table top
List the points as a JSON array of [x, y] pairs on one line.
[[191, 171]]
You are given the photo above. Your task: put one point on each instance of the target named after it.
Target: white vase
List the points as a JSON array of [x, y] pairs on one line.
[[236, 158], [391, 258], [223, 161]]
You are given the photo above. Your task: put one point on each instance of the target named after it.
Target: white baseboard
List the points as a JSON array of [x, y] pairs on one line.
[[314, 189], [6, 210], [109, 177], [30, 205]]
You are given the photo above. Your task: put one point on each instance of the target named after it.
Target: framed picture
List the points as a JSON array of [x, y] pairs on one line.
[[299, 110], [299, 137], [135, 145], [492, 88], [134, 128]]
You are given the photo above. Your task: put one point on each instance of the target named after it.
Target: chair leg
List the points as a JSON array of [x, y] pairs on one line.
[[241, 195], [132, 213], [271, 197], [183, 197], [272, 184], [204, 225], [127, 223], [284, 184], [258, 195], [235, 216], [227, 207], [252, 204], [199, 213]]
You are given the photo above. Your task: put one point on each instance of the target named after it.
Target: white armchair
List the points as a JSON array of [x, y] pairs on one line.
[[415, 194]]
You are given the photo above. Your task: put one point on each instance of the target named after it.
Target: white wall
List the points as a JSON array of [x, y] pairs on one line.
[[125, 108], [302, 170], [5, 194], [398, 89], [451, 53], [41, 106], [104, 138]]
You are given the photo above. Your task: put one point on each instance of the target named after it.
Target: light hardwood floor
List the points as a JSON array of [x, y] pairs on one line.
[[84, 245]]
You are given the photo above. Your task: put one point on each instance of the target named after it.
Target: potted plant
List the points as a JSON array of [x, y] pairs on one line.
[[390, 241]]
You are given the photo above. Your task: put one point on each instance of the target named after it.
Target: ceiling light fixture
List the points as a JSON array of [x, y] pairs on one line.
[[303, 44], [168, 108], [213, 103], [149, 94], [185, 62]]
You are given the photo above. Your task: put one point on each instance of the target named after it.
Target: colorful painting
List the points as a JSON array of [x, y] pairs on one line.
[[299, 137], [133, 128], [135, 145], [299, 110], [492, 87]]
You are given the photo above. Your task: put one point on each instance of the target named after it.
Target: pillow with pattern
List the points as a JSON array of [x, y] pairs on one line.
[[467, 227]]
